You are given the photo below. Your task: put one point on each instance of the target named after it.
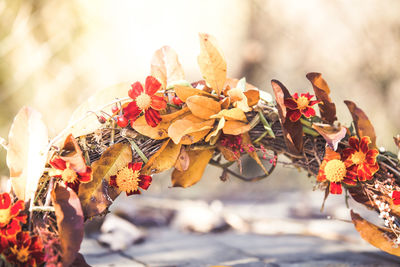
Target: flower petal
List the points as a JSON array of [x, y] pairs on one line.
[[354, 143], [135, 166], [152, 117], [158, 103], [152, 85], [136, 90], [58, 163], [308, 112], [137, 192], [295, 96], [85, 177], [290, 103], [145, 181], [132, 111], [113, 181], [13, 227], [349, 181], [5, 201], [17, 207], [365, 141], [335, 188], [371, 156], [313, 102], [294, 115]]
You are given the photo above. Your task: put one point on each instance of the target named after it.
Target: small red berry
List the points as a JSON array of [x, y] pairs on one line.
[[122, 121], [101, 119], [114, 109], [177, 101]]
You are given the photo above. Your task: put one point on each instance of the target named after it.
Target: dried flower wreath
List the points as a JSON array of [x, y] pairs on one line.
[[169, 123]]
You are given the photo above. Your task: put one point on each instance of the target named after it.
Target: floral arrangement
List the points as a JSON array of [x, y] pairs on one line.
[[121, 136]]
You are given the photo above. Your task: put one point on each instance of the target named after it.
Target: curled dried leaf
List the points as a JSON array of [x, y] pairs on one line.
[[165, 66], [332, 135], [198, 161], [363, 126], [293, 131], [212, 63], [69, 215], [189, 129], [327, 107], [164, 159], [72, 153], [183, 161], [211, 136], [184, 92], [235, 127], [377, 236], [231, 114]]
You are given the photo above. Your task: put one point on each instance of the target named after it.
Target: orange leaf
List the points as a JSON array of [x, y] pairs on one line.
[[27, 152], [253, 96], [246, 142], [184, 92], [239, 99], [164, 159], [231, 114], [225, 103], [96, 196], [235, 127], [69, 215], [161, 130], [165, 66], [189, 129], [183, 161], [363, 126], [327, 108], [377, 236], [293, 131], [213, 135], [332, 135], [203, 107], [198, 161], [212, 63]]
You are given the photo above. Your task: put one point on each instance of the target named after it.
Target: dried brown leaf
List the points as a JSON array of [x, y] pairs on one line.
[[184, 92], [231, 114], [165, 66], [327, 108], [69, 215], [293, 131], [332, 135], [198, 161], [363, 126], [164, 159], [27, 152], [377, 236], [212, 63], [73, 154], [183, 161], [190, 129], [235, 127], [97, 195]]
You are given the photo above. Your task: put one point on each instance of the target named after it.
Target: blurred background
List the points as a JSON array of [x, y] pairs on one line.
[[55, 54]]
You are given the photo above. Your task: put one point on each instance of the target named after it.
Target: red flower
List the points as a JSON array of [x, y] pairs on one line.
[[71, 178], [396, 197], [129, 179], [336, 172], [362, 157], [300, 106], [147, 101], [10, 217], [24, 250]]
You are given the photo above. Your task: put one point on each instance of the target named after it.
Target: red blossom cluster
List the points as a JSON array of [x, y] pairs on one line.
[[17, 246]]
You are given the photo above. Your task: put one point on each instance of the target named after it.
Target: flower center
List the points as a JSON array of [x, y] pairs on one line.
[[22, 253], [335, 170], [143, 101], [5, 216], [302, 102], [128, 180], [358, 157], [69, 175]]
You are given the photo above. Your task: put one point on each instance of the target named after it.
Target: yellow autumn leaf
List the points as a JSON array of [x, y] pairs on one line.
[[165, 66], [239, 99], [164, 159], [231, 114], [253, 96], [184, 92], [198, 161], [212, 63], [203, 107], [235, 127], [161, 130], [190, 125], [182, 163]]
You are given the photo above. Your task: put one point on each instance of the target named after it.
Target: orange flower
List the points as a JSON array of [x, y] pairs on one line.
[[147, 101], [71, 178], [24, 250], [300, 106], [336, 172], [362, 157], [10, 217], [129, 179]]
